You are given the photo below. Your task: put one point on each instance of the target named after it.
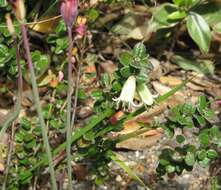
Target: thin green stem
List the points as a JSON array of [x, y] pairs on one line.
[[130, 135], [76, 96], [38, 106], [68, 119]]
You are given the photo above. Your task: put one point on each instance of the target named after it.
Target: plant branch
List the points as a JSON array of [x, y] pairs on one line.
[[68, 118], [76, 96]]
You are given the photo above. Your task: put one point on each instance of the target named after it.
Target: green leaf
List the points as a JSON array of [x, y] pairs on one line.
[[202, 154], [81, 94], [139, 50], [212, 154], [205, 162], [125, 58], [106, 79], [25, 123], [179, 2], [180, 139], [186, 3], [41, 62], [4, 55], [199, 31], [200, 66], [190, 159], [188, 109], [61, 45], [202, 102], [164, 162], [125, 71], [161, 14], [177, 15], [93, 14], [116, 86], [200, 120], [204, 138], [31, 144], [3, 3], [28, 137], [186, 121], [97, 94], [170, 169], [25, 177], [210, 11], [215, 133]]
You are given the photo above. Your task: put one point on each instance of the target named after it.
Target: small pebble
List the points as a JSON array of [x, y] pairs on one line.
[[118, 178]]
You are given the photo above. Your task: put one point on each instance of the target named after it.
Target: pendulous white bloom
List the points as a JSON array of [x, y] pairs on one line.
[[146, 96], [127, 94]]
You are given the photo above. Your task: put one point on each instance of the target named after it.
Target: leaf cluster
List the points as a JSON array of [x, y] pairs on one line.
[[201, 148]]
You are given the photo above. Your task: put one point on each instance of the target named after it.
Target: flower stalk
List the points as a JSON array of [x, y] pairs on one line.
[[19, 10], [69, 11], [68, 118], [38, 106]]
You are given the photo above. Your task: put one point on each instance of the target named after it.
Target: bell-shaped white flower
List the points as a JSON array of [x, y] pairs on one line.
[[127, 94], [145, 95]]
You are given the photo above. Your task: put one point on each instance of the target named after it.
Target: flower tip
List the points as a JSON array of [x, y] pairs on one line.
[[69, 11]]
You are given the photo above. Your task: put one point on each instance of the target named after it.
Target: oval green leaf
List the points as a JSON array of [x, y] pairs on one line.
[[199, 31]]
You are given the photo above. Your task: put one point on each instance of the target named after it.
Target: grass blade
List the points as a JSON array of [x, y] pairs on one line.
[[171, 92], [127, 169]]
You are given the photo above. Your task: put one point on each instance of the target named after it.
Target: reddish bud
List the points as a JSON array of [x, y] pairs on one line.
[[81, 29], [81, 26], [69, 11]]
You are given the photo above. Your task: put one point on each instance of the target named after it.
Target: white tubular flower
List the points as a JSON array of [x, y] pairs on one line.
[[145, 94], [127, 94]]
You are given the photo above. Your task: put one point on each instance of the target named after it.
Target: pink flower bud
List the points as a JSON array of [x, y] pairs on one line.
[[69, 11], [81, 29]]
